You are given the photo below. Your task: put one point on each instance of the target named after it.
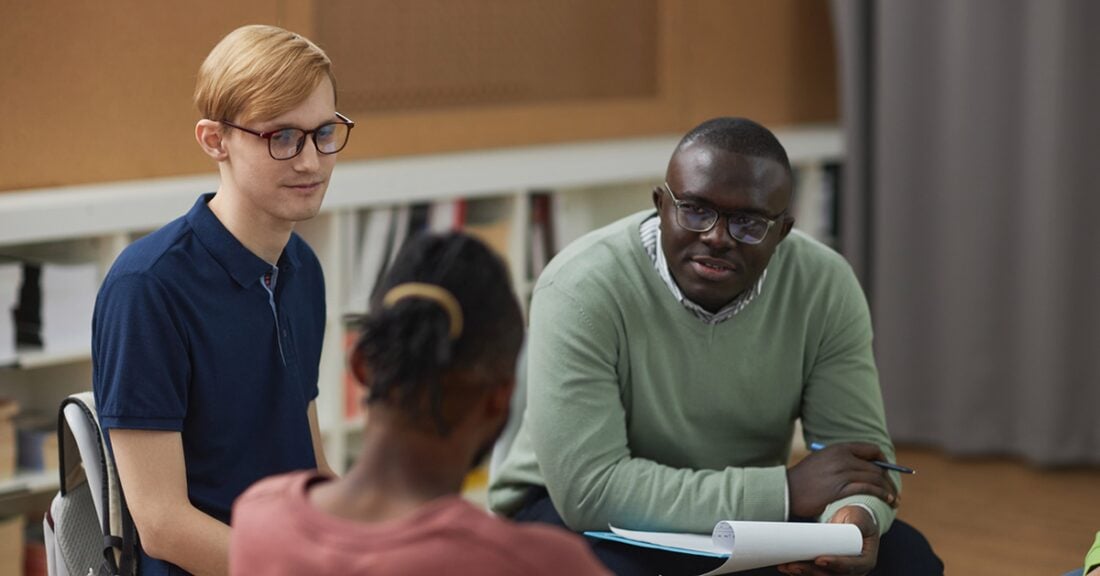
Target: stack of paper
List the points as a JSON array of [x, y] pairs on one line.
[[11, 276], [749, 545], [68, 300]]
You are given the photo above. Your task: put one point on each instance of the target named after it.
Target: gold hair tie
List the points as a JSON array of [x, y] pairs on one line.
[[430, 292]]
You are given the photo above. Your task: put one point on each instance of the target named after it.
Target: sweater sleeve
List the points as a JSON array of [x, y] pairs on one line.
[[841, 400], [1092, 559], [578, 429]]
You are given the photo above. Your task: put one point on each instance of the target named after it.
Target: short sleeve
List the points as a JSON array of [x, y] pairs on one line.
[[140, 357]]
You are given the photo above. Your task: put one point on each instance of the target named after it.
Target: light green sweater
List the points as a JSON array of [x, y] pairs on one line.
[[642, 416]]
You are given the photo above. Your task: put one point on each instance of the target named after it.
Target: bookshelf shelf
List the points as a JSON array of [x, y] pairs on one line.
[[28, 482], [18, 493], [589, 184], [101, 209], [29, 359]]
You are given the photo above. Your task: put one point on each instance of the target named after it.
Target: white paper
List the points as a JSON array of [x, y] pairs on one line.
[[68, 300], [758, 544]]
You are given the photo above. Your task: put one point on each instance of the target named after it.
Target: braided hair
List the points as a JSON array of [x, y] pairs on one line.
[[409, 343]]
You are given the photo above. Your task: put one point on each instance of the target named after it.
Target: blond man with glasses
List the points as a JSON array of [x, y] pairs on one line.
[[207, 333]]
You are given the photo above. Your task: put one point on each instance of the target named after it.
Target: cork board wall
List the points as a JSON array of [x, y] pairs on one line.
[[101, 91]]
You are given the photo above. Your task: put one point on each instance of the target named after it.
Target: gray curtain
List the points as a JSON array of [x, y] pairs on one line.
[[971, 211]]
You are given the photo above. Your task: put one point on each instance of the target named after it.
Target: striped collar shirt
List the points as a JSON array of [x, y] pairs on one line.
[[651, 241]]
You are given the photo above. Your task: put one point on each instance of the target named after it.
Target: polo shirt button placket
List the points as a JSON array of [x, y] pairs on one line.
[[269, 281]]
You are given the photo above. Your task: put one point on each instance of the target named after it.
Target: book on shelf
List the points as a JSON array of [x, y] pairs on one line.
[[447, 215], [834, 179], [741, 545], [490, 220], [36, 437], [11, 276], [9, 409], [541, 234], [351, 229], [371, 250], [379, 234], [399, 232], [419, 218], [56, 301], [28, 309], [815, 206]]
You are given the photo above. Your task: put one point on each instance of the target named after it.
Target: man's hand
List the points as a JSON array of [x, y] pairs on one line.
[[836, 472], [828, 565]]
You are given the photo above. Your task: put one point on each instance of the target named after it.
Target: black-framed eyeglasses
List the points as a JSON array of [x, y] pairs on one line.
[[286, 143], [744, 227]]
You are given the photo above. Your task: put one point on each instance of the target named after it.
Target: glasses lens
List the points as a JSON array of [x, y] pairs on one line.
[[286, 143], [748, 228], [695, 218], [331, 138]]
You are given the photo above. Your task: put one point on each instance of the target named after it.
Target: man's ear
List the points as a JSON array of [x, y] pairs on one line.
[[211, 139], [657, 198], [787, 223]]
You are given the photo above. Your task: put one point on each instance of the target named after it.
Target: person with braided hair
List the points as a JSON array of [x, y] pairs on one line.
[[437, 355]]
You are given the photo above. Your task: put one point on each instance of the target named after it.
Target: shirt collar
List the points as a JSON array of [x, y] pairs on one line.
[[238, 261], [651, 241]]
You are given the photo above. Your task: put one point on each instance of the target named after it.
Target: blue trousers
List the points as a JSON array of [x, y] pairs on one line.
[[903, 551]]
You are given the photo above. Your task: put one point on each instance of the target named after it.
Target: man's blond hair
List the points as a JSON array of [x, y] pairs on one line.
[[258, 72]]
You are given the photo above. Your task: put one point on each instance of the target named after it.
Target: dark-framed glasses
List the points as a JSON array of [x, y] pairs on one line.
[[744, 227], [286, 143]]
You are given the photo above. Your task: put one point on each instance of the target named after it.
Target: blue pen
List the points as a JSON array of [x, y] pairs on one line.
[[815, 446]]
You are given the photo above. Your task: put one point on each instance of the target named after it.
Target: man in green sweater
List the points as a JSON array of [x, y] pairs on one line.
[[670, 354]]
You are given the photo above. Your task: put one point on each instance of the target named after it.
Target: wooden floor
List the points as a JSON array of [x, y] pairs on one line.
[[1000, 516]]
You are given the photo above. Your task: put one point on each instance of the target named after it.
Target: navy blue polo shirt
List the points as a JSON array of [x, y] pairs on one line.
[[193, 333]]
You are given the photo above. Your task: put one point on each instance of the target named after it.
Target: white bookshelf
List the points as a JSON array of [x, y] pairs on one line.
[[28, 482], [104, 209], [592, 183], [32, 358]]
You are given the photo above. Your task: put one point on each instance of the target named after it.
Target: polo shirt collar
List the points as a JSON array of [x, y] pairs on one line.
[[239, 262]]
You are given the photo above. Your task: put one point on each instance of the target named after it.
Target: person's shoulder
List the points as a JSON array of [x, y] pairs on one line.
[[146, 256], [270, 498], [303, 251], [275, 487], [601, 256], [802, 247], [267, 520], [804, 257]]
